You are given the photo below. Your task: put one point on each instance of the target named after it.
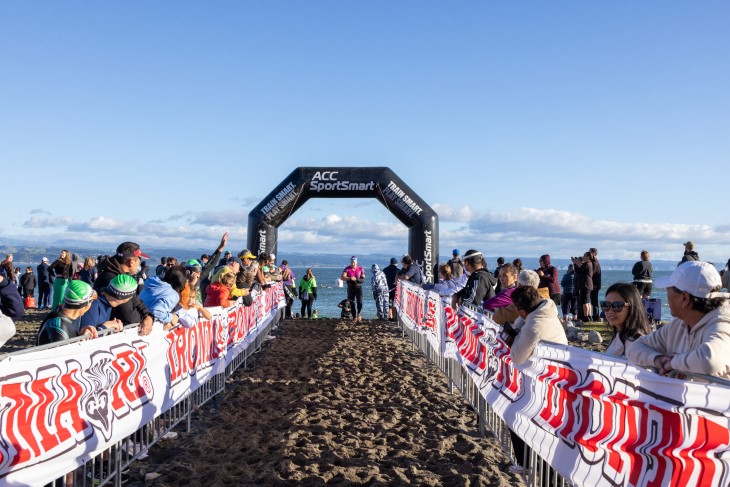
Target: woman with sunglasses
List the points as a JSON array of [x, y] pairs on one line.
[[625, 313]]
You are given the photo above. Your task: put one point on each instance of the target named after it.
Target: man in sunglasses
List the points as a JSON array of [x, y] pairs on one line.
[[697, 340]]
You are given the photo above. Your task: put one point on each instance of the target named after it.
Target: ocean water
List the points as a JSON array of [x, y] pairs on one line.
[[329, 295]]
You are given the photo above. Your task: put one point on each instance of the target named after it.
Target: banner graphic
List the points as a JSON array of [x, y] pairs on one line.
[[60, 407], [596, 419]]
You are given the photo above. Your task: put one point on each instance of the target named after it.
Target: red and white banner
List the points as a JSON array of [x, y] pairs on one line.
[[596, 419], [60, 407], [421, 310]]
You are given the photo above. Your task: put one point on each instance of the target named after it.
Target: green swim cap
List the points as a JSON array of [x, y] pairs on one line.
[[193, 265], [123, 286], [78, 294]]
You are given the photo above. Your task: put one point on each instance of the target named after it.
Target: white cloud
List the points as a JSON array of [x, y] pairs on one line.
[[38, 222]]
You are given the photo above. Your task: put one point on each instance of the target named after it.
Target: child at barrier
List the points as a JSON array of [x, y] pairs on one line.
[[119, 291], [219, 293], [64, 322]]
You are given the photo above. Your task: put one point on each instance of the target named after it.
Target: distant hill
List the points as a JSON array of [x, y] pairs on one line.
[[25, 253]]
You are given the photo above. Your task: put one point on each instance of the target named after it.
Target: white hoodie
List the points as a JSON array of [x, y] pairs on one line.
[[703, 349], [541, 324]]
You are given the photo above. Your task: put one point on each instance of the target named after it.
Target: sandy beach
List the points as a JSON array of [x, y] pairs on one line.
[[335, 403], [326, 402]]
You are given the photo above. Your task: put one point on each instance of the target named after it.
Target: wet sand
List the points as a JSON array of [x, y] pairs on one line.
[[335, 403]]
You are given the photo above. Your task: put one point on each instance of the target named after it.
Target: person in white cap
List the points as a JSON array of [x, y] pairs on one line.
[[44, 284], [697, 340]]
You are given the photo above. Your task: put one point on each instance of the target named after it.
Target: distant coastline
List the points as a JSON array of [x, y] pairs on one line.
[[27, 254]]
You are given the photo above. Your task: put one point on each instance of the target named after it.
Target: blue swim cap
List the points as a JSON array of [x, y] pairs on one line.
[[455, 252]]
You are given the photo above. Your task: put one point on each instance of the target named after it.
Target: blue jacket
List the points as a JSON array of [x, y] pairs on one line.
[[568, 282], [11, 303], [99, 313], [160, 298]]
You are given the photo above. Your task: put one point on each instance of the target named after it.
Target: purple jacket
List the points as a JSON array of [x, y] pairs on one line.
[[500, 300]]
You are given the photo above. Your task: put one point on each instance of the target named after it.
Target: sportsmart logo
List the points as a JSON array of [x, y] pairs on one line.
[[327, 181]]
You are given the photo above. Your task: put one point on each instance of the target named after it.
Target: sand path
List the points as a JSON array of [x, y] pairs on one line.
[[336, 403]]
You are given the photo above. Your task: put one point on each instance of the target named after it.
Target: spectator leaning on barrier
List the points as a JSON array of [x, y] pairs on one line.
[[625, 313], [501, 305], [410, 271], [64, 322], [127, 260], [120, 290], [480, 284], [538, 320], [161, 295], [697, 340]]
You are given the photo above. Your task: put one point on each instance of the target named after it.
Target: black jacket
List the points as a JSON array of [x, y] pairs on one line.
[[60, 269], [391, 272], [27, 281], [134, 310], [43, 275], [11, 304], [479, 286]]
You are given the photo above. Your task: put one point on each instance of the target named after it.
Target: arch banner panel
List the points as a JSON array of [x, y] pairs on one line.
[[348, 182]]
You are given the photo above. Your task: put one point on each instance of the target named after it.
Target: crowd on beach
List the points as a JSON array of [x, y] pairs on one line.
[[106, 293]]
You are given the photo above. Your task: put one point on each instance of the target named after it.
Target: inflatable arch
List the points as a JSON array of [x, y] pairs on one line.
[[348, 182]]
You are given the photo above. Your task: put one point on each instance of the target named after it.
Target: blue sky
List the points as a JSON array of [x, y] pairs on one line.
[[531, 128]]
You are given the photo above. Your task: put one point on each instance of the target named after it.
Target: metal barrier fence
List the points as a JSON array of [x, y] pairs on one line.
[[538, 472], [109, 467]]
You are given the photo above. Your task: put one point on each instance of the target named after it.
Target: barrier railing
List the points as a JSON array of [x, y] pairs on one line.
[[586, 418], [120, 368]]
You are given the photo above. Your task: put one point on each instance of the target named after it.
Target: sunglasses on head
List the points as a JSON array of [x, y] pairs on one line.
[[616, 305]]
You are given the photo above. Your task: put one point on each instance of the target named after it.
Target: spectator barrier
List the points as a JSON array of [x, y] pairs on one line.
[[82, 411], [586, 418]]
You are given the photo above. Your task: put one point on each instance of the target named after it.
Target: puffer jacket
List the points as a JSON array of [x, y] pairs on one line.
[[160, 298]]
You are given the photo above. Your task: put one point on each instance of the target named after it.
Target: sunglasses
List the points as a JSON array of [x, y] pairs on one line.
[[616, 305]]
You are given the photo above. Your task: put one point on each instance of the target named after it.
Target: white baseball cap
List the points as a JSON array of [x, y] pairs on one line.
[[44, 259], [696, 278]]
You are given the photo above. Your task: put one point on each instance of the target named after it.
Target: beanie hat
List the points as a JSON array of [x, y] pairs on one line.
[[455, 252], [78, 294], [193, 266], [123, 286]]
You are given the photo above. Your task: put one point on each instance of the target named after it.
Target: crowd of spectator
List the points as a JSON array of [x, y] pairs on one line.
[[109, 292]]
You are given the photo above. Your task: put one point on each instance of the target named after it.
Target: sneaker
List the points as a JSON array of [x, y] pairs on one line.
[[269, 337], [517, 469]]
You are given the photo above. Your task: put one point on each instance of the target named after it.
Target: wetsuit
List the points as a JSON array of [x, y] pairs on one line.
[[354, 288]]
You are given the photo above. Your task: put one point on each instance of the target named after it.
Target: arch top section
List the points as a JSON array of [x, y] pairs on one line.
[[380, 183]]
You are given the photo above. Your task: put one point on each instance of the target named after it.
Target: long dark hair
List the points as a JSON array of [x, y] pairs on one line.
[[636, 323], [176, 277]]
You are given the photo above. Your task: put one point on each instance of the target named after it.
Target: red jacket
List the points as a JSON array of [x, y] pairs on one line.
[[216, 294]]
